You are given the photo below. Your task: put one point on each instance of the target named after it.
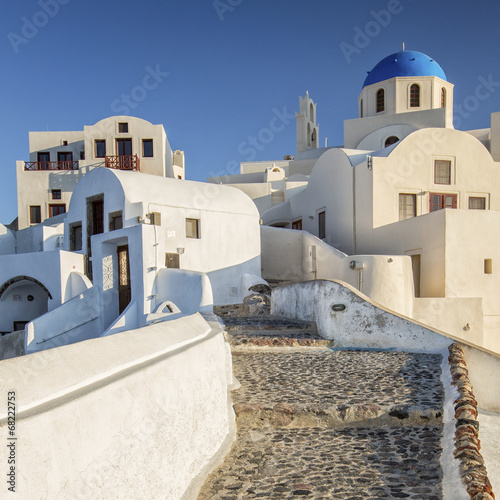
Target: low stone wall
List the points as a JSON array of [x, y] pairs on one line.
[[352, 319], [139, 414], [467, 444]]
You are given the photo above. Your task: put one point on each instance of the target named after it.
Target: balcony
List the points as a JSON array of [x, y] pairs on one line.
[[50, 165], [125, 162]]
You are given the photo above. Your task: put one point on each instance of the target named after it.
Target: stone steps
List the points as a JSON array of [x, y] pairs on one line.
[[325, 423], [295, 416], [268, 331]]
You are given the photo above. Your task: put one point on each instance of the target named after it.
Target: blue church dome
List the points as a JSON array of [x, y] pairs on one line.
[[404, 63]]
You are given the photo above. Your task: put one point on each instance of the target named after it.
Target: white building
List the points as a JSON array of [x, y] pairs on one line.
[[152, 247], [58, 160], [384, 193]]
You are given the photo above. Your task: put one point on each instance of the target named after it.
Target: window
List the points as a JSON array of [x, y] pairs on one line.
[[124, 147], [438, 201], [414, 96], [56, 194], [82, 155], [115, 220], [123, 128], [172, 260], [442, 172], [361, 108], [477, 203], [57, 209], [443, 97], [380, 100], [192, 228], [43, 158], [147, 147], [407, 206], [488, 266], [64, 156], [35, 214], [391, 140], [64, 143], [322, 225], [75, 236], [297, 224], [100, 148]]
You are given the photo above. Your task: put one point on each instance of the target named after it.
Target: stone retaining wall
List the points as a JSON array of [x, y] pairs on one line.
[[467, 444]]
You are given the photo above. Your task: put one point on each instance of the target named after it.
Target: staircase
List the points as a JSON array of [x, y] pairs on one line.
[[321, 423]]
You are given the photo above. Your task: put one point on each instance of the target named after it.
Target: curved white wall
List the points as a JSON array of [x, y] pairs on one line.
[[139, 414]]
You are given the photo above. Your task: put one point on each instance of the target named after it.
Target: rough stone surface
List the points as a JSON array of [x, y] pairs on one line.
[[268, 331], [261, 288], [257, 304], [339, 378], [348, 463], [321, 423]]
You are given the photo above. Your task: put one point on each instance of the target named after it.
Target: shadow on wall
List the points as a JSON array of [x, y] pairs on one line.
[[226, 282], [190, 291], [74, 321], [12, 345]]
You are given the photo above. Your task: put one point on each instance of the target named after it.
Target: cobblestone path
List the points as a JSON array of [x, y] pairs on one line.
[[322, 424]]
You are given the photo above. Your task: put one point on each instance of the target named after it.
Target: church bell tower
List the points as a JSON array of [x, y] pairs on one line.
[[307, 128]]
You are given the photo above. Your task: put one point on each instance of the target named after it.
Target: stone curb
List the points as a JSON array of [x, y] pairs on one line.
[[467, 444], [301, 416], [249, 342]]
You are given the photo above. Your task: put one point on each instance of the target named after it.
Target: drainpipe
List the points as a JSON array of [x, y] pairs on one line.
[[314, 262], [358, 266]]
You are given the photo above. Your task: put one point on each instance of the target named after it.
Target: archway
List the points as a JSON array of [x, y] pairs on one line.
[[391, 140], [22, 299]]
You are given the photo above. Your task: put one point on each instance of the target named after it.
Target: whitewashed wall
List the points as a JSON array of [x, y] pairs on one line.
[[51, 269], [362, 323], [125, 416], [7, 241], [298, 256]]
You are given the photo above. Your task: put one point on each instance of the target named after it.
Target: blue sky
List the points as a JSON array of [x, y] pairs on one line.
[[225, 68]]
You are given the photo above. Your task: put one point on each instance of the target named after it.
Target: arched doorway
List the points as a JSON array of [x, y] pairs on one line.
[[22, 299]]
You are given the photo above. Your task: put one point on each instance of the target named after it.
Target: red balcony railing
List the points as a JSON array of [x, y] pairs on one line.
[[50, 165], [130, 162]]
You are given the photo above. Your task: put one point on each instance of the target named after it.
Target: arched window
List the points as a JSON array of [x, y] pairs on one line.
[[443, 97], [391, 140], [311, 112], [415, 96], [309, 135], [380, 100], [361, 108]]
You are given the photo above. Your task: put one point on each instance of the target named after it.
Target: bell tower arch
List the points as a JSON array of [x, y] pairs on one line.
[[307, 128]]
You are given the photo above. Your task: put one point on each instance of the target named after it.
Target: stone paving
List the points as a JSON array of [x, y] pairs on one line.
[[348, 463], [322, 423], [339, 377]]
